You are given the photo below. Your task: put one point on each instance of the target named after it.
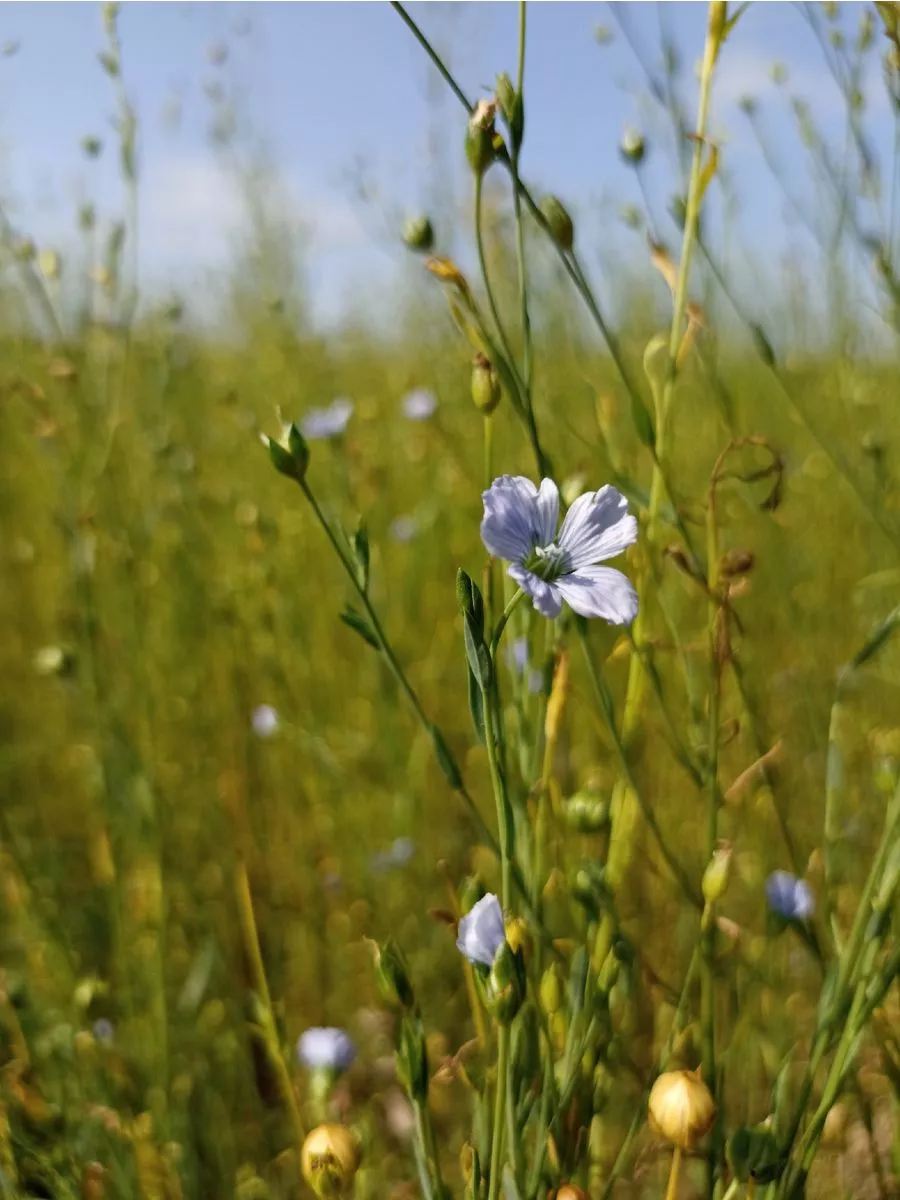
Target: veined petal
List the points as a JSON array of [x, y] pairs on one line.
[[544, 596], [510, 517], [599, 592], [547, 512], [597, 526]]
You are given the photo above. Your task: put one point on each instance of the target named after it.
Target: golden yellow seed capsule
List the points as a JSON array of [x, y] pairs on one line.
[[330, 1159], [681, 1108], [569, 1191]]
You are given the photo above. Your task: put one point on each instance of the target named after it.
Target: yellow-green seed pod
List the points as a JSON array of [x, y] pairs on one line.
[[558, 221], [717, 874], [330, 1160], [418, 234], [485, 386], [587, 811], [550, 990], [633, 147]]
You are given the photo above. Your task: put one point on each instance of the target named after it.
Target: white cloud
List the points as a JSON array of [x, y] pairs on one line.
[[193, 207]]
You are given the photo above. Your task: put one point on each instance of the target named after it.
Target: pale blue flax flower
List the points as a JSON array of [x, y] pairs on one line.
[[518, 658], [103, 1030], [265, 721], [789, 897], [322, 423], [326, 1049], [481, 931], [419, 405], [403, 529], [519, 525]]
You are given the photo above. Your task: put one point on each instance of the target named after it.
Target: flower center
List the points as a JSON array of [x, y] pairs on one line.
[[547, 562]]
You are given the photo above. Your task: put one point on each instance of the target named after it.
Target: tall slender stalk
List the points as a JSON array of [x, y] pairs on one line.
[[624, 806]]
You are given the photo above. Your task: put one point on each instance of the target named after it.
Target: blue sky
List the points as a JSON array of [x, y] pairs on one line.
[[338, 93]]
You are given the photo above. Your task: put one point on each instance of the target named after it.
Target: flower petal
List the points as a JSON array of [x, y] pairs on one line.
[[600, 592], [544, 596], [508, 525], [547, 511], [597, 526], [481, 931]]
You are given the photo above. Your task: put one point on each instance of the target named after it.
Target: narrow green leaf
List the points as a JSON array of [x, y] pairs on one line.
[[360, 625], [445, 759]]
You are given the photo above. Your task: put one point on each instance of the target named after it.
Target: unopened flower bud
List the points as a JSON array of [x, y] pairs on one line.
[[290, 454], [587, 811], [418, 234], [633, 148], [504, 988], [519, 936], [717, 873], [412, 1059], [681, 1108], [511, 105], [480, 136], [393, 976], [550, 990], [558, 221], [485, 386], [330, 1160]]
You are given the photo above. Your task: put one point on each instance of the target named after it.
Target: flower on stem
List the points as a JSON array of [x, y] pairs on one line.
[[419, 404], [326, 1049], [322, 423], [519, 525], [789, 897], [482, 932]]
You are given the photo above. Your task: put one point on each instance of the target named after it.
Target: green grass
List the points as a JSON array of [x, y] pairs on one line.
[[131, 782]]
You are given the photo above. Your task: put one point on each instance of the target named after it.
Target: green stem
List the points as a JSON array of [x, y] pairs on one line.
[[626, 776], [261, 987], [623, 842], [499, 1112], [715, 614], [674, 1175], [430, 1174]]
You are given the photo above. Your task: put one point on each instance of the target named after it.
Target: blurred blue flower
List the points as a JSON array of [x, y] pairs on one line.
[[330, 422], [519, 525], [265, 720], [402, 851], [326, 1049], [398, 854], [518, 659], [403, 529], [481, 931], [103, 1030], [419, 405], [789, 897]]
